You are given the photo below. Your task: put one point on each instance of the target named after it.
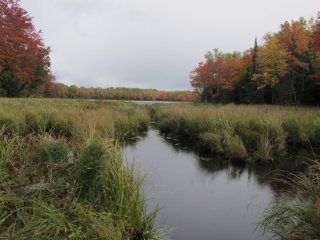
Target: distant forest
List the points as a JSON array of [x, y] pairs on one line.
[[284, 70], [60, 90]]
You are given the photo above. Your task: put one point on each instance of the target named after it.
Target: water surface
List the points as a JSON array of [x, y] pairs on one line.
[[200, 198]]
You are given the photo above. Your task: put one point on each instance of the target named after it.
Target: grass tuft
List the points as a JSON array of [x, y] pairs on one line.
[[296, 215], [91, 176], [234, 148], [52, 150]]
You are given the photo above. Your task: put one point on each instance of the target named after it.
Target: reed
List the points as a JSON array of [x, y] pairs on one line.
[[61, 171], [261, 133], [296, 214]]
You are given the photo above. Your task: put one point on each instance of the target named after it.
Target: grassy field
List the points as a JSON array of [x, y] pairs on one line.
[[241, 133], [61, 170], [62, 174]]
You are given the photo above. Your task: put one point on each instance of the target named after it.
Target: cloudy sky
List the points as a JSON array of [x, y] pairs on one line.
[[151, 43]]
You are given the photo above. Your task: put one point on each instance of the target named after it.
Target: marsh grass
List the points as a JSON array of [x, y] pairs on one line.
[[212, 142], [52, 150], [252, 133], [264, 149], [296, 215], [62, 161], [234, 148]]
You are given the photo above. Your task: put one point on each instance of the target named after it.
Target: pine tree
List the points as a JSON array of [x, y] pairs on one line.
[[247, 91]]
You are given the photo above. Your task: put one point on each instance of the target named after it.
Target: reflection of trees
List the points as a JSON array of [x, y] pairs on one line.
[[218, 164], [274, 175], [271, 175], [132, 141], [178, 145]]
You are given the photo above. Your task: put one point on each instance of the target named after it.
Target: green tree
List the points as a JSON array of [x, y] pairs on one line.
[[247, 90]]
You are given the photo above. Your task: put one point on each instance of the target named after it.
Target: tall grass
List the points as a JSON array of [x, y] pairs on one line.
[[296, 215], [61, 171], [251, 133]]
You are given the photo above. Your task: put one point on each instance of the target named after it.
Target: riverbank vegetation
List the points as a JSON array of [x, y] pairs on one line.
[[241, 133], [284, 69], [62, 175], [295, 215]]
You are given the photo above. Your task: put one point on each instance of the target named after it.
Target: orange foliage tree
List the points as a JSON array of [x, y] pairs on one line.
[[218, 75]]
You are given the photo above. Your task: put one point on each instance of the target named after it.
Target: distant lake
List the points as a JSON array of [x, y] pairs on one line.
[[152, 102]]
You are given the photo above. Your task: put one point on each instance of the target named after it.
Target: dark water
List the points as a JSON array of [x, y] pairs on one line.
[[203, 199]]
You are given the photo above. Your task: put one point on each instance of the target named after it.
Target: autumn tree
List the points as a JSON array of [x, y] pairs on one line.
[[24, 60], [272, 63], [285, 69], [216, 78], [201, 79], [315, 63]]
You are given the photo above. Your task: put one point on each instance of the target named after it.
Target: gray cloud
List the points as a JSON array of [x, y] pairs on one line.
[[151, 43]]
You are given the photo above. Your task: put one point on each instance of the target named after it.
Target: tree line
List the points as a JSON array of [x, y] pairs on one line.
[[285, 69], [59, 90]]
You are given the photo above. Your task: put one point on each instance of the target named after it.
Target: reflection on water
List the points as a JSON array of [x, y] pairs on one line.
[[205, 198]]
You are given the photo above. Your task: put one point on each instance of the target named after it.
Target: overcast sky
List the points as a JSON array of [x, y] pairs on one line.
[[151, 43]]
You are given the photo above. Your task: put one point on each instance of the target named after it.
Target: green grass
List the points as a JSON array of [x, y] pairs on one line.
[[296, 215], [68, 155], [247, 133]]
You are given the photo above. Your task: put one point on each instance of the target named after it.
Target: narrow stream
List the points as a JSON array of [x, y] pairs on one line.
[[201, 199]]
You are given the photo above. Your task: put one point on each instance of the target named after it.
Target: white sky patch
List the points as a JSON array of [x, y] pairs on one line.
[[151, 43]]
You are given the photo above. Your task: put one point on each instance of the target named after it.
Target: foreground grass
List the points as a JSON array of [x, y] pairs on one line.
[[241, 133], [61, 171], [296, 215]]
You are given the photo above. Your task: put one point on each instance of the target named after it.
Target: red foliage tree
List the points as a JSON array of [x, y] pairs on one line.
[[220, 73], [24, 60]]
